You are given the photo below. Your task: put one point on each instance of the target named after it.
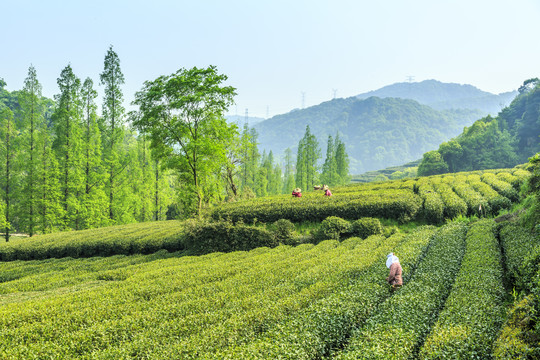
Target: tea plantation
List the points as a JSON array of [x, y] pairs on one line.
[[138, 292]]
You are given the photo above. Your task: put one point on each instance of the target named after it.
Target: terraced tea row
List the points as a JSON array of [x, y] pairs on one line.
[[141, 238], [164, 307], [400, 324], [432, 198]]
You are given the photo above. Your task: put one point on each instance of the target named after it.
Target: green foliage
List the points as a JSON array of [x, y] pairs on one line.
[[533, 184], [518, 339], [454, 206], [504, 141], [400, 323], [400, 205], [376, 132], [183, 115], [203, 237], [474, 311], [432, 164], [433, 209], [284, 231], [333, 227], [522, 254], [306, 160], [313, 331], [142, 238], [367, 226]]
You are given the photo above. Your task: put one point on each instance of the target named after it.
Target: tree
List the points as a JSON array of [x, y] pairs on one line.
[[113, 115], [288, 177], [32, 121], [329, 174], [49, 202], [432, 164], [342, 162], [183, 115], [451, 152], [93, 200], [67, 121], [308, 155], [7, 151]]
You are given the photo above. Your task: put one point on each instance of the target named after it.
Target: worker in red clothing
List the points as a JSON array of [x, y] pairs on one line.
[[297, 192], [327, 191]]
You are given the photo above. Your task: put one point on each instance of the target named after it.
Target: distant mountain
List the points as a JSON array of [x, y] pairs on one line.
[[241, 120], [377, 132], [441, 96]]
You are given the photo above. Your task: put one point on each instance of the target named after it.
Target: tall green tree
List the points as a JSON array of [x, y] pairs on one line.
[[309, 154], [49, 202], [94, 203], [67, 144], [113, 114], [342, 162], [32, 122], [183, 115], [288, 176], [329, 174], [7, 153]]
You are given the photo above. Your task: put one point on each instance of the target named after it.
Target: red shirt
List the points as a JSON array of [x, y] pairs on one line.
[[296, 194], [327, 193]]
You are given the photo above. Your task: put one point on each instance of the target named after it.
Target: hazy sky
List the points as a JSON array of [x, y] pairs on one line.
[[273, 51]]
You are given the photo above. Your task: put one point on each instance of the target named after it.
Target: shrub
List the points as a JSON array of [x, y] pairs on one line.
[[332, 228], [517, 339], [367, 226], [473, 312], [284, 232], [203, 237]]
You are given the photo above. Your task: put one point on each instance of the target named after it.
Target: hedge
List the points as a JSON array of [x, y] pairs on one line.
[[474, 311], [398, 327]]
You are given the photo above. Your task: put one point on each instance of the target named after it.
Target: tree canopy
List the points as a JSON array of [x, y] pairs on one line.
[[183, 115]]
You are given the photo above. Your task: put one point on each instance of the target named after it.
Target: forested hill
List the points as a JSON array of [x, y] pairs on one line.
[[377, 132], [442, 96], [493, 142]]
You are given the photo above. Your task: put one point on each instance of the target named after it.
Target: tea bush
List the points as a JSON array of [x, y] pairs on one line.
[[401, 322], [141, 238], [473, 313], [367, 226], [203, 237], [333, 227]]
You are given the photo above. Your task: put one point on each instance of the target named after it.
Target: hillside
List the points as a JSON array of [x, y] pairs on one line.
[[326, 299], [508, 139], [377, 132], [442, 96]]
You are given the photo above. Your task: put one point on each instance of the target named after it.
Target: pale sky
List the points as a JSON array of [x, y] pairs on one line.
[[273, 51]]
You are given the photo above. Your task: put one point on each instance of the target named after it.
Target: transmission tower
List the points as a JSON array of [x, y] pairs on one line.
[[410, 79], [267, 112], [334, 91], [246, 118], [303, 99]]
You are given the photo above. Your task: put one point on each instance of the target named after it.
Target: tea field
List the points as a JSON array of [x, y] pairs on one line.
[[132, 292]]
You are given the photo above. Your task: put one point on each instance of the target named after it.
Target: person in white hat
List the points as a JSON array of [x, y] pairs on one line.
[[395, 276]]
